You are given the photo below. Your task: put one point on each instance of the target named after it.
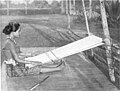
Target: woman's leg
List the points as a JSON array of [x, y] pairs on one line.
[[59, 68], [38, 69], [52, 65]]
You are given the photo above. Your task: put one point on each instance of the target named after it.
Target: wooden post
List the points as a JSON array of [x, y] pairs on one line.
[[90, 9], [62, 6], [70, 6], [107, 41], [74, 5], [68, 15], [66, 6], [26, 5]]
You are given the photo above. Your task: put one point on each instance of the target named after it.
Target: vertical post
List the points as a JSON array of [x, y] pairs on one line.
[[26, 5], [90, 9], [8, 7], [87, 25], [62, 6], [68, 15], [70, 6], [66, 6], [86, 20], [74, 5], [107, 41]]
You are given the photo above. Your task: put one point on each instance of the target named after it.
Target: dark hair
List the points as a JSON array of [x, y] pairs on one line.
[[11, 27]]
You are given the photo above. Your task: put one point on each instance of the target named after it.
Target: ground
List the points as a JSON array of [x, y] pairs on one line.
[[43, 32]]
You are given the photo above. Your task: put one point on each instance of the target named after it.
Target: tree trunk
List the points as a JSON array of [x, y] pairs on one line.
[[26, 5], [74, 5], [66, 6], [90, 9], [68, 15], [107, 41], [70, 6], [62, 7]]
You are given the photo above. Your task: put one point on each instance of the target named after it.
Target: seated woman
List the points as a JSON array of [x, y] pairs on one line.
[[15, 57]]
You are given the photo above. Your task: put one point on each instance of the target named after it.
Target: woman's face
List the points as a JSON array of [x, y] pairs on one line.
[[17, 33]]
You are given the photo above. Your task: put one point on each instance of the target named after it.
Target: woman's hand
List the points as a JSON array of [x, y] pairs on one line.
[[36, 63], [25, 55], [22, 57], [35, 53], [33, 62]]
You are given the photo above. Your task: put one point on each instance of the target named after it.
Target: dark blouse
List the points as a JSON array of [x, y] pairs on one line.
[[6, 53], [18, 69]]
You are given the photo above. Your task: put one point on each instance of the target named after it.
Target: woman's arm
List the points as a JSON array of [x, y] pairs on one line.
[[25, 55], [17, 58], [29, 54]]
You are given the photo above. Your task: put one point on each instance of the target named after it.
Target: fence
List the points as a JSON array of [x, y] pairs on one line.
[[8, 8], [100, 60]]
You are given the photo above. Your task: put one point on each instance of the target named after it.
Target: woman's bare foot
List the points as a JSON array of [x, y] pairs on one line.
[[53, 65]]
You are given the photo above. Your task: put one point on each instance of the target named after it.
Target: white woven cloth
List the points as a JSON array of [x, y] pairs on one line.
[[69, 49]]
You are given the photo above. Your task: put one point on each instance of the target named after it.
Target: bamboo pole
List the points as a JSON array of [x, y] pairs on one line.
[[107, 41], [87, 25], [86, 19]]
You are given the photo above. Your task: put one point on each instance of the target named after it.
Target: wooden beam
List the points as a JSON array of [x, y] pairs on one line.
[[107, 41]]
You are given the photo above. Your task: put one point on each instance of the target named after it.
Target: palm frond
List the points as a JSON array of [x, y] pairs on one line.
[[113, 12]]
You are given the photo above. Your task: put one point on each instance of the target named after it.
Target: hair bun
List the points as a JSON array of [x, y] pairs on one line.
[[7, 30], [11, 27]]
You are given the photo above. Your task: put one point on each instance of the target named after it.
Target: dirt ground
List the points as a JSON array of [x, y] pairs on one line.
[[44, 32]]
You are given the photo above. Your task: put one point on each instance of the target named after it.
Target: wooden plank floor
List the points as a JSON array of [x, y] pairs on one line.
[[80, 74]]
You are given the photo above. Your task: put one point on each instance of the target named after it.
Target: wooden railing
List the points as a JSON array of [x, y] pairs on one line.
[[100, 60]]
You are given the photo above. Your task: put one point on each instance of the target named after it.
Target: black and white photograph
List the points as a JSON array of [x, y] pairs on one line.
[[60, 45]]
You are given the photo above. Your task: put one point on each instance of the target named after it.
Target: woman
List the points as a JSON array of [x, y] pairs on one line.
[[15, 57]]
